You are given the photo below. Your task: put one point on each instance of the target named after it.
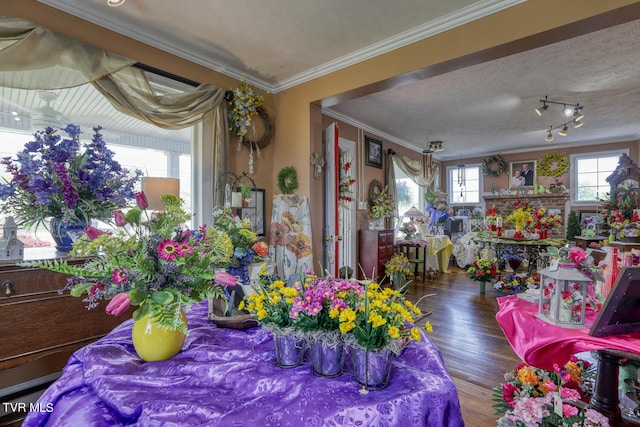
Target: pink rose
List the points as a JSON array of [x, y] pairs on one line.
[[225, 279], [577, 254], [141, 200], [118, 304]]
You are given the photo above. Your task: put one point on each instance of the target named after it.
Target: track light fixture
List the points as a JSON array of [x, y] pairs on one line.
[[569, 111], [115, 3]]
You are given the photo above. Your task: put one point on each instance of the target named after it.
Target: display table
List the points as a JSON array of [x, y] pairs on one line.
[[439, 246], [226, 377], [543, 345]]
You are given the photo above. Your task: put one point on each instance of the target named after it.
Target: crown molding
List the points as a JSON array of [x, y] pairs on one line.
[[460, 17]]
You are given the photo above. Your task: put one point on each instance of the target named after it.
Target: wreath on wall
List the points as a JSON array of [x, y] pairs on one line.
[[494, 165], [287, 180], [553, 164]]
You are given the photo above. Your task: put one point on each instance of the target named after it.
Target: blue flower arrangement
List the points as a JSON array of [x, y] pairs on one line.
[[56, 177]]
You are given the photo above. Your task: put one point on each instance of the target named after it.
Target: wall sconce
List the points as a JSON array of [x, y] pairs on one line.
[[154, 187]]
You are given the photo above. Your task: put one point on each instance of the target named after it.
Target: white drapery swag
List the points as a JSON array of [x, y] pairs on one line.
[[414, 169], [33, 57]]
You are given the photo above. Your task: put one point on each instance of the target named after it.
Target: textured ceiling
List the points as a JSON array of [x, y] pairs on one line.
[[486, 108]]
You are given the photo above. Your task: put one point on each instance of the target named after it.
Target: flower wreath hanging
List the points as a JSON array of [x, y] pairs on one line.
[[246, 104], [494, 165], [553, 164], [287, 180]]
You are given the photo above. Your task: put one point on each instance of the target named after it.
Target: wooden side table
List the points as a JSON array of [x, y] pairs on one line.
[[584, 242], [625, 246]]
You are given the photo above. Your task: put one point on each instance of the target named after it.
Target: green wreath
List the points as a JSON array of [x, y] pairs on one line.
[[494, 165], [553, 164], [287, 180]]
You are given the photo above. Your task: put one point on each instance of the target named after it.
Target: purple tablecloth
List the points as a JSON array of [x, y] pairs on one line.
[[225, 377]]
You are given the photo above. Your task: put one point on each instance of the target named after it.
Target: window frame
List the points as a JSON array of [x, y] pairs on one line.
[[573, 159], [450, 184]]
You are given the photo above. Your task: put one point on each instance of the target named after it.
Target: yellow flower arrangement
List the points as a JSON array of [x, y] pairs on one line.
[[521, 216], [383, 319]]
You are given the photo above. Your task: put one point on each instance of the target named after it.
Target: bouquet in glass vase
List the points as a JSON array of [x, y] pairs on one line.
[[483, 270]]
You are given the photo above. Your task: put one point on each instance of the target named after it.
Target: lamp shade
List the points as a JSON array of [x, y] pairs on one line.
[[413, 212], [154, 187]]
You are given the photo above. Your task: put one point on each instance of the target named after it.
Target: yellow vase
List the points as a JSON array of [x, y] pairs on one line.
[[153, 343]]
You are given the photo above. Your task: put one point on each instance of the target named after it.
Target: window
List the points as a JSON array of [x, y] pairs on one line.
[[590, 175], [463, 184], [409, 193], [136, 144]]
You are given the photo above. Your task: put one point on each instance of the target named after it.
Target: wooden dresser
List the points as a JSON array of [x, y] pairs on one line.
[[39, 330], [375, 248]]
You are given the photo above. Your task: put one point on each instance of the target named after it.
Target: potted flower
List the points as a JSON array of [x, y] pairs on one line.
[[483, 271], [156, 264], [409, 229], [380, 325], [398, 269], [316, 311], [272, 304], [533, 396], [65, 181], [382, 206]]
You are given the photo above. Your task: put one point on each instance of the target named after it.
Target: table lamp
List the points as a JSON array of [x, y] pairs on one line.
[[154, 187]]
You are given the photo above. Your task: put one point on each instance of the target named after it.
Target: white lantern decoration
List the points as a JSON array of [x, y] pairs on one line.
[[563, 295]]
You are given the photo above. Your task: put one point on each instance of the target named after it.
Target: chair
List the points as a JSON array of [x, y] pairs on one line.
[[416, 257]]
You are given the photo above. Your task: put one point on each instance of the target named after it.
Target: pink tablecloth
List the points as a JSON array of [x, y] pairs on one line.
[[542, 344]]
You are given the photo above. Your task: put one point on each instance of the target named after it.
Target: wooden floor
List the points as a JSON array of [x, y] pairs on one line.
[[474, 348]]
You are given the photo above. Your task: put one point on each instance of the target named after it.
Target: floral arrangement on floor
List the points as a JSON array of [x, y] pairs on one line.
[[516, 283], [56, 177], [382, 320], [534, 397], [382, 205], [409, 229], [154, 263], [483, 270], [244, 241], [345, 194]]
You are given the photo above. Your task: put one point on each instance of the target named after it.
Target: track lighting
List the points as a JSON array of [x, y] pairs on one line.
[[115, 3], [563, 131], [570, 111], [549, 137], [542, 109]]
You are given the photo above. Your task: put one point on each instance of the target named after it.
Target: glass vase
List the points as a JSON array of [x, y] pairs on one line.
[[327, 360]]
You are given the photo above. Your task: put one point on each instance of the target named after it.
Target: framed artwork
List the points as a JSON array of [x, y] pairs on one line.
[[522, 174], [255, 211], [373, 151]]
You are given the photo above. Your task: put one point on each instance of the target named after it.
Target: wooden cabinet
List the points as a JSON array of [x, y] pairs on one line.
[[40, 329], [375, 248]]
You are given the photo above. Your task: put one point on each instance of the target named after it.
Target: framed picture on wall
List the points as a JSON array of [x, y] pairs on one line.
[[522, 174], [373, 151]]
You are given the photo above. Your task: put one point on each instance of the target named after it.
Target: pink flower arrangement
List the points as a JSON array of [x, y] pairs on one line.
[[156, 264], [531, 396]]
